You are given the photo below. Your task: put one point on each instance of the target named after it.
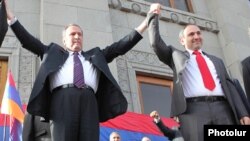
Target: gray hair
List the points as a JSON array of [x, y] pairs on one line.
[[181, 33], [69, 25]]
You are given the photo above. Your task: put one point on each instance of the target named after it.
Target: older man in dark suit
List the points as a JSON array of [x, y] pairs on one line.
[[75, 89], [197, 99], [3, 22]]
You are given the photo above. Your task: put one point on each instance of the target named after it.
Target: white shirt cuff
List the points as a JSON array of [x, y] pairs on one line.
[[11, 22]]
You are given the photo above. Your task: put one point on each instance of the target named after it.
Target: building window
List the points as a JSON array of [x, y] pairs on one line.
[[154, 94], [184, 5]]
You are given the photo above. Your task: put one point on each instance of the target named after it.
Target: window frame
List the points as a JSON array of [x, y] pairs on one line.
[[151, 80], [3, 76]]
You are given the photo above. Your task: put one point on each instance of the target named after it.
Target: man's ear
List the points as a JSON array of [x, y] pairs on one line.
[[182, 41]]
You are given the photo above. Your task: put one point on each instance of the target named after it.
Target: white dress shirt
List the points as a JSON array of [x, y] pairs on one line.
[[192, 80], [65, 74]]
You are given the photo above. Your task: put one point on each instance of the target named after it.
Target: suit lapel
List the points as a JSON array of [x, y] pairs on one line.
[[86, 55], [216, 63], [180, 59]]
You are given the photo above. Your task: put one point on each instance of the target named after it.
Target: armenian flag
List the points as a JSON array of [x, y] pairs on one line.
[[11, 106], [133, 126]]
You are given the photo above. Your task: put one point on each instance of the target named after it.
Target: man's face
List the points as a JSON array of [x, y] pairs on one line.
[[115, 137], [192, 38], [73, 38]]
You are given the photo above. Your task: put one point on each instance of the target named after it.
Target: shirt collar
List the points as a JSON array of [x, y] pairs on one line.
[[71, 52], [192, 51]]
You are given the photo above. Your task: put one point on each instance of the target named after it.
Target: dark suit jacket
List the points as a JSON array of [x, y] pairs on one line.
[[176, 60], [111, 101], [3, 22], [246, 76], [35, 130]]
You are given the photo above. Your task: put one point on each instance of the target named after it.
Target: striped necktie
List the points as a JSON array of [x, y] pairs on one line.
[[78, 71]]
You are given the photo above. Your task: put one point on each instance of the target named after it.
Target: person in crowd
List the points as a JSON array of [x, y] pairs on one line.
[[246, 76], [145, 139], [172, 133], [203, 92], [242, 94], [74, 89], [114, 136]]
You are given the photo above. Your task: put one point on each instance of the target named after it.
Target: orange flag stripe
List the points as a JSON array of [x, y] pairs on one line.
[[15, 111]]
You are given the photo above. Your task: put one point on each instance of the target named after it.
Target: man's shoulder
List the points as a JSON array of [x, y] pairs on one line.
[[54, 45], [212, 56], [93, 50]]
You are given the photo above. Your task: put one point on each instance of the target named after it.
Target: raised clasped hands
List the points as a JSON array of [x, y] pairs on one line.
[[155, 8], [10, 15]]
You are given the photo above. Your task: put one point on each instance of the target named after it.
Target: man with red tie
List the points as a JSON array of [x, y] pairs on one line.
[[203, 92]]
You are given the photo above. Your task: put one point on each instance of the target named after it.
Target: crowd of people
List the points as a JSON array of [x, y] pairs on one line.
[[70, 107]]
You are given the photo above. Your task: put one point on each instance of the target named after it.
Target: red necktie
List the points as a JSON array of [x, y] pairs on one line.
[[205, 73]]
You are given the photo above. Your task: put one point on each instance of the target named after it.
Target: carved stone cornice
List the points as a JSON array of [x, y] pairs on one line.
[[168, 14], [137, 61]]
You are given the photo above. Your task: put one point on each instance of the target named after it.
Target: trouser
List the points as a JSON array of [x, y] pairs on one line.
[[74, 115], [199, 114]]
